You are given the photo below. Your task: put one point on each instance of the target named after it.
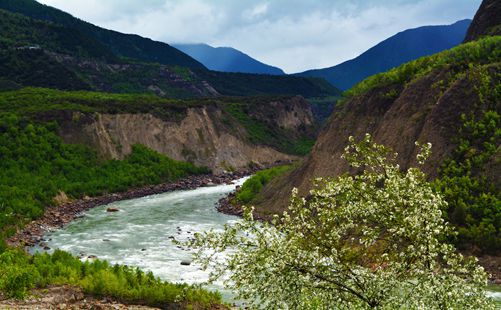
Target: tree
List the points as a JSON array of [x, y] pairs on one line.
[[372, 240]]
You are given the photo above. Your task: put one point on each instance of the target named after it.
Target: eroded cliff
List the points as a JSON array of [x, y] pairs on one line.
[[205, 135]]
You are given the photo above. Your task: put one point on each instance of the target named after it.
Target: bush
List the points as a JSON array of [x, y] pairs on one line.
[[21, 272], [254, 184]]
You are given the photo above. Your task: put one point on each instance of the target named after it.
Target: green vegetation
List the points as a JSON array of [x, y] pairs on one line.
[[483, 51], [36, 165], [18, 31], [242, 84], [22, 272], [42, 68], [251, 188], [374, 240], [34, 67], [474, 202], [34, 102], [259, 121], [468, 178]]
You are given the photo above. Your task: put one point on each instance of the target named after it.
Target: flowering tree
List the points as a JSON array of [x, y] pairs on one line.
[[373, 240]]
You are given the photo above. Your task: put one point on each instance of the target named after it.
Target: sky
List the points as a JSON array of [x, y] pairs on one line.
[[295, 35]]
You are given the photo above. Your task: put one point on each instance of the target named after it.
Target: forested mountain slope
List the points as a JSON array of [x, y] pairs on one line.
[[123, 45]]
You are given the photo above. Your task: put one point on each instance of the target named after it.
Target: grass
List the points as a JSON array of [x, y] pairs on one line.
[[260, 131], [253, 186]]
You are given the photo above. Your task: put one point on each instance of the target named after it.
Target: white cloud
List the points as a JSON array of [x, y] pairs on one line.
[[257, 11], [295, 35]]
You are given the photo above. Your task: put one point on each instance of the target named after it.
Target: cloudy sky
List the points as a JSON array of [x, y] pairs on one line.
[[294, 35]]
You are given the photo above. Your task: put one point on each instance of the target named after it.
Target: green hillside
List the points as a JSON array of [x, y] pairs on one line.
[[123, 45], [253, 113], [43, 47], [243, 84]]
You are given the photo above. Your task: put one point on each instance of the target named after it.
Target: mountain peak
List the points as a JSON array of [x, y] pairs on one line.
[[487, 21], [226, 59]]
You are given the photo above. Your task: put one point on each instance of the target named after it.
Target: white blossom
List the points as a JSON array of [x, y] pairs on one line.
[[373, 240]]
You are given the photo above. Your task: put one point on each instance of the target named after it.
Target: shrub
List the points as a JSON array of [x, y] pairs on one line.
[[254, 184], [21, 272]]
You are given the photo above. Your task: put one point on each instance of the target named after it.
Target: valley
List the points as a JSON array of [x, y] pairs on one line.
[[133, 171]]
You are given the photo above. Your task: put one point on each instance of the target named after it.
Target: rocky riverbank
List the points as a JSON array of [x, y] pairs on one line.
[[227, 205], [57, 216], [70, 297], [65, 297]]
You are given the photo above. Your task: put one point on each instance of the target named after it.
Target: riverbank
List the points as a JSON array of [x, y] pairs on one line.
[[58, 216], [66, 297]]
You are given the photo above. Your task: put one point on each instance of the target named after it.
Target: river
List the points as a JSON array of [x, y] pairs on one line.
[[139, 233]]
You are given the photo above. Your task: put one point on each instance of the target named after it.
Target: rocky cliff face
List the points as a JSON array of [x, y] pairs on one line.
[[204, 135], [487, 20], [426, 108], [293, 114]]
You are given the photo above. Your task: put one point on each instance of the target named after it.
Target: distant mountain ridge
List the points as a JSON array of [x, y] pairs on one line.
[[226, 59], [123, 45], [42, 46], [392, 52]]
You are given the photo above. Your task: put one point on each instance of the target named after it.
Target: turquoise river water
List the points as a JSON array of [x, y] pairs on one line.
[[138, 235]]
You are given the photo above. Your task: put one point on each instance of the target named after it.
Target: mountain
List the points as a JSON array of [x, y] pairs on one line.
[[392, 52], [123, 45], [42, 53], [226, 59], [487, 21], [452, 100]]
